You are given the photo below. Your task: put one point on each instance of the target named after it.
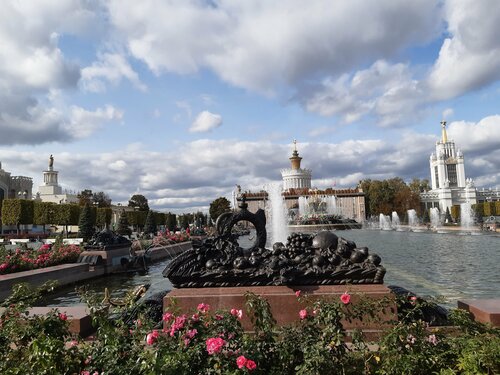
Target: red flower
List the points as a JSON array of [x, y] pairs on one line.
[[63, 316], [297, 293], [203, 307], [251, 365], [303, 314], [237, 313], [241, 361], [214, 345], [345, 298]]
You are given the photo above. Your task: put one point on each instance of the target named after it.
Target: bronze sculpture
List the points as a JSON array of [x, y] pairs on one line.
[[320, 259]]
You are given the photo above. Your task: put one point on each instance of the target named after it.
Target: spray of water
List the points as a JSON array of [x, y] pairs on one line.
[[396, 223], [384, 222], [412, 218], [435, 219], [277, 213]]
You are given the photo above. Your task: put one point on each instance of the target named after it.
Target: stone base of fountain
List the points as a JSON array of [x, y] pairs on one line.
[[284, 303]]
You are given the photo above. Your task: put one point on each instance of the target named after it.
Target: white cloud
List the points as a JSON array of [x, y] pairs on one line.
[[255, 46], [383, 90], [481, 137], [470, 58], [83, 123], [110, 67], [447, 113], [33, 67], [205, 121]]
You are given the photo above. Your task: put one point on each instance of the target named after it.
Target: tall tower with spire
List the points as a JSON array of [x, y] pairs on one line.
[[296, 177], [447, 164]]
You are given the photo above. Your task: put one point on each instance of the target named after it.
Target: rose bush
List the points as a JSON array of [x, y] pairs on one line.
[[45, 256], [213, 342]]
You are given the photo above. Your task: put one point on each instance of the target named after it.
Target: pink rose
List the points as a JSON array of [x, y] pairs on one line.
[[84, 372], [151, 337], [297, 293], [63, 316], [303, 314], [241, 361], [167, 316], [413, 300], [195, 318], [432, 339], [191, 333], [214, 345], [237, 313], [251, 365], [203, 307], [72, 343], [218, 317], [345, 298]]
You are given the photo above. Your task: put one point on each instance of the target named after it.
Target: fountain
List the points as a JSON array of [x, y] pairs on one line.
[[466, 216], [331, 205], [396, 223], [303, 207], [413, 220], [435, 218], [385, 222], [277, 213]]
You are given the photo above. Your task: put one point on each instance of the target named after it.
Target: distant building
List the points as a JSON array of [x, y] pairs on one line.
[[448, 179], [50, 191], [14, 187], [349, 203]]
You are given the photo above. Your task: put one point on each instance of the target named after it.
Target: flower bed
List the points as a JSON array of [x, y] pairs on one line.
[[213, 342], [168, 238], [45, 256]]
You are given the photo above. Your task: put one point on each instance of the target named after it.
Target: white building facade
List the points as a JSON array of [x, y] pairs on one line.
[[296, 177], [449, 184], [50, 191]]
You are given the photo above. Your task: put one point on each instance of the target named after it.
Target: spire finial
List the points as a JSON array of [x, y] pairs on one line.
[[295, 145], [443, 132]]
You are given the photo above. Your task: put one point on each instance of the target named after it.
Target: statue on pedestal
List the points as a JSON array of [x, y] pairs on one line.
[[51, 161]]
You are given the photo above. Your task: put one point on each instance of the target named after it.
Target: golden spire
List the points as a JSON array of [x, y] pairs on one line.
[[443, 131], [295, 159]]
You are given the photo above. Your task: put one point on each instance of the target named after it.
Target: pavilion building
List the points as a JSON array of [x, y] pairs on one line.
[[350, 203], [449, 184]]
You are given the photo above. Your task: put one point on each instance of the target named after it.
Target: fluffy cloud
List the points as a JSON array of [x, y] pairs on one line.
[[110, 67], [470, 57], [33, 67], [83, 123], [480, 138], [384, 90], [254, 46], [205, 121]]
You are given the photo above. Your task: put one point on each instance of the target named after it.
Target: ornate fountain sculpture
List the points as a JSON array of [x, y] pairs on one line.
[[320, 259]]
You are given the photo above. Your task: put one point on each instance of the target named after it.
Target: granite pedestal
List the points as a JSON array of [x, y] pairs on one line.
[[284, 303]]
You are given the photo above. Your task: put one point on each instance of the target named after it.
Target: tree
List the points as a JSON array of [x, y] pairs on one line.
[[171, 221], [418, 186], [85, 225], [150, 225], [43, 213], [103, 218], [85, 197], [123, 227], [139, 201], [218, 207], [101, 199]]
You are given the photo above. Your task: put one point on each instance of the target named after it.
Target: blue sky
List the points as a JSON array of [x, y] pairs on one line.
[[182, 100]]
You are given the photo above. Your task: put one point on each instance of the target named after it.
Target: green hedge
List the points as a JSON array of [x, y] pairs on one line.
[[17, 211]]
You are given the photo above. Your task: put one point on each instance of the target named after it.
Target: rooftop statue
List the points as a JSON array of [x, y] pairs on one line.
[[306, 259], [51, 161]]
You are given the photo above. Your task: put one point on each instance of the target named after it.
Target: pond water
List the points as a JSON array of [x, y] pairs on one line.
[[439, 264]]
